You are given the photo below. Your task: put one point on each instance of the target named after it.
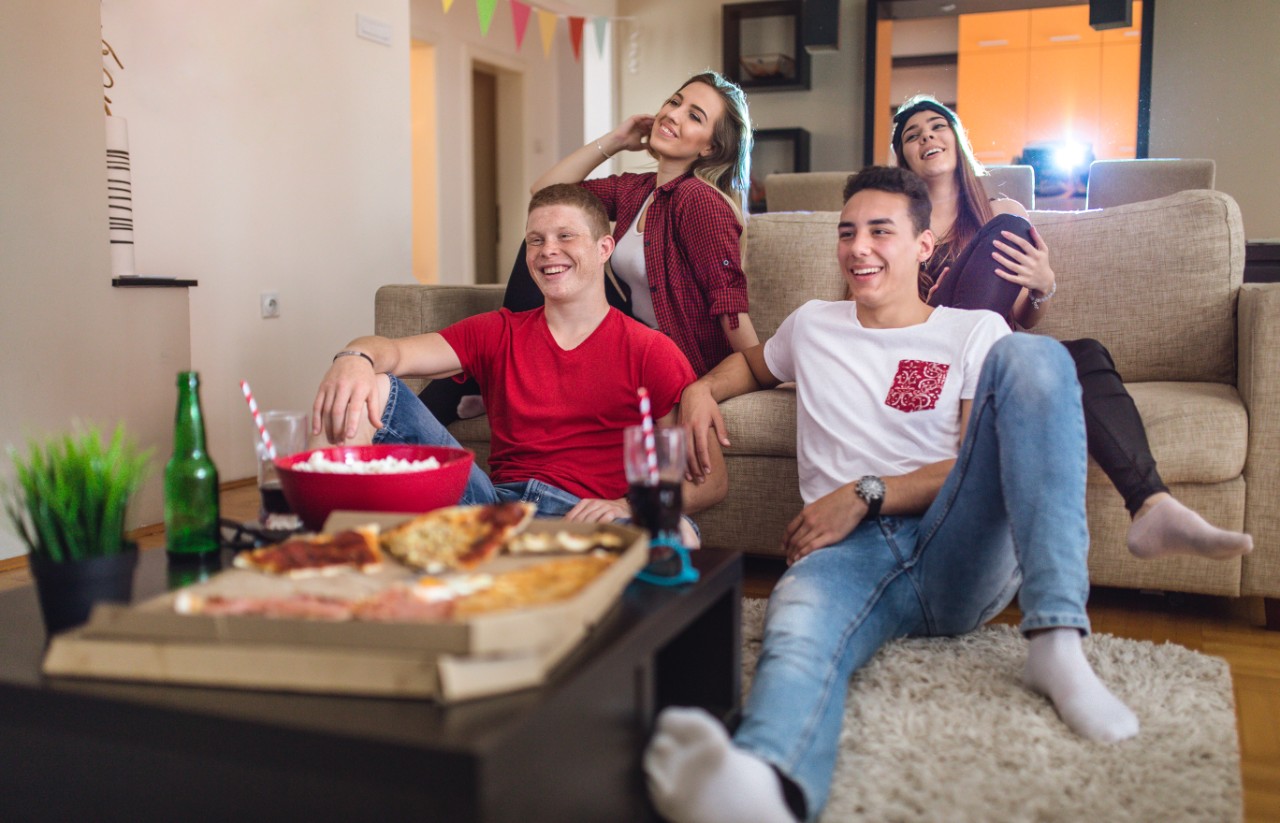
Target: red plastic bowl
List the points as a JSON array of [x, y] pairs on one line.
[[313, 495]]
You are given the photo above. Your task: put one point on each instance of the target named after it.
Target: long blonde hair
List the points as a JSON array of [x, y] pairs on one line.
[[973, 206], [727, 169]]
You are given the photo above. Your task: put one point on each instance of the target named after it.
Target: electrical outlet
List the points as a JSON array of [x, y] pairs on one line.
[[270, 304]]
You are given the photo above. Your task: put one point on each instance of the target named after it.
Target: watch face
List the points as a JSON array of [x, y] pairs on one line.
[[871, 488]]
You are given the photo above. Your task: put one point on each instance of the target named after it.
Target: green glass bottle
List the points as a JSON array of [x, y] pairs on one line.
[[190, 482]]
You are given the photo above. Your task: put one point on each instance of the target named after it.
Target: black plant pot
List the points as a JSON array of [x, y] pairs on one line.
[[69, 590]]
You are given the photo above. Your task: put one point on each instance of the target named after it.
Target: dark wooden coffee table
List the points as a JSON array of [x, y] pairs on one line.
[[567, 751]]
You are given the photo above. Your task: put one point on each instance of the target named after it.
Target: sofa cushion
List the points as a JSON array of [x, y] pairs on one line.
[[1199, 432], [1175, 324], [790, 259]]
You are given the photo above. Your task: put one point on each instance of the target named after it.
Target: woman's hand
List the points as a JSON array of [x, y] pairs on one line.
[[597, 510], [1024, 263], [631, 134]]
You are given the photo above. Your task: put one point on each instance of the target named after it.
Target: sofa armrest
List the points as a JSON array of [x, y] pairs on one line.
[[1258, 318], [404, 310]]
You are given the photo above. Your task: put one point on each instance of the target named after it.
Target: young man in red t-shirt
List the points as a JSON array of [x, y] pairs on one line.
[[559, 382]]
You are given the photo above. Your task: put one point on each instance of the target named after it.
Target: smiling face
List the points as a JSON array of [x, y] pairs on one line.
[[684, 128], [929, 145], [564, 256], [879, 250]]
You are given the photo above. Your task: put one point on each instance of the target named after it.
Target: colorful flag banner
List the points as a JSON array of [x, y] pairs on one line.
[[547, 25], [448, 4], [485, 9], [575, 36], [601, 25], [519, 17]]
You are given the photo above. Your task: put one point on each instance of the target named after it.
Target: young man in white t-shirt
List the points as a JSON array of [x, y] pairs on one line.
[[942, 466]]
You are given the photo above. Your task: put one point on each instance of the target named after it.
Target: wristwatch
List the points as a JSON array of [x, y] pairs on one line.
[[871, 489]]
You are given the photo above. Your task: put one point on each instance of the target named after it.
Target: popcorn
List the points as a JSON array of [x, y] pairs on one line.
[[317, 462]]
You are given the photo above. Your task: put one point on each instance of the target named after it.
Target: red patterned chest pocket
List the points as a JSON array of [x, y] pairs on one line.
[[917, 385]]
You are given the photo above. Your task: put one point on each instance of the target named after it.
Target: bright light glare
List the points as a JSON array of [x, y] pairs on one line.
[[1069, 156]]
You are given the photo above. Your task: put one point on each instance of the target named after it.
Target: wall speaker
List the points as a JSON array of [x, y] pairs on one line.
[[1110, 14], [820, 25]]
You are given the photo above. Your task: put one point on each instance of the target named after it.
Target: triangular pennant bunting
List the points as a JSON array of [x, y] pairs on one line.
[[547, 24], [575, 36], [601, 25], [485, 8], [520, 17], [448, 4]]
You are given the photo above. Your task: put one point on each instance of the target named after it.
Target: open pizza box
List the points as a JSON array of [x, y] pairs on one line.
[[446, 660]]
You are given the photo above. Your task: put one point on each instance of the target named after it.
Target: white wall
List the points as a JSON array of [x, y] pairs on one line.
[[1215, 69], [271, 152], [74, 347]]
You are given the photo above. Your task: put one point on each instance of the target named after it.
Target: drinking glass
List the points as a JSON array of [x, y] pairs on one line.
[[288, 430], [655, 473]]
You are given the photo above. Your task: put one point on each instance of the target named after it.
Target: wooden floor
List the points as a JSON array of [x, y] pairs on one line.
[[1214, 625]]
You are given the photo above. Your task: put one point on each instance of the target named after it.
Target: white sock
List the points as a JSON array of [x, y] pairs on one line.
[[1170, 528], [1057, 668], [697, 775]]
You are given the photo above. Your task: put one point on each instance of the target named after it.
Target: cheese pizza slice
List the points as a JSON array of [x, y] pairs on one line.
[[456, 538]]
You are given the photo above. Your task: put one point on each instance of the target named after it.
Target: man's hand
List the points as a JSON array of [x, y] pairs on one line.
[[699, 415], [823, 522], [349, 389], [597, 510]]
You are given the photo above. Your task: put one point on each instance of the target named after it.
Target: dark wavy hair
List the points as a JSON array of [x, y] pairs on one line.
[[895, 180]]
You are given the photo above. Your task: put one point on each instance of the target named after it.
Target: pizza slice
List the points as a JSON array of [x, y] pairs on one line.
[[457, 538], [318, 554]]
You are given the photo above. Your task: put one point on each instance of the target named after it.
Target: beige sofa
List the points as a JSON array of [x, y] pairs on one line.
[[1159, 282]]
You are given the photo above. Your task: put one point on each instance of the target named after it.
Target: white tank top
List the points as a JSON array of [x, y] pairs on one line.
[[628, 264]]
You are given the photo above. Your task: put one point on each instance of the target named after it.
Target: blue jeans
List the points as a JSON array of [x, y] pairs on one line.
[[1010, 513], [406, 420]]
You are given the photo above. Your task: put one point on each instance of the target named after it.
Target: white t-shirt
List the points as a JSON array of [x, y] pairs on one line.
[[877, 401]]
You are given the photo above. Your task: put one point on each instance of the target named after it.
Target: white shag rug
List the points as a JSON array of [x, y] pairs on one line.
[[942, 729]]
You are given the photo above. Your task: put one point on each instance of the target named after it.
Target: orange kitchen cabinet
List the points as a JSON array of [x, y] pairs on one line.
[[1061, 26], [993, 30], [1118, 104], [1063, 93], [991, 99]]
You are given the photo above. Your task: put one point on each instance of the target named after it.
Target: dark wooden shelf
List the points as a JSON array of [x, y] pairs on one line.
[[734, 14], [161, 282]]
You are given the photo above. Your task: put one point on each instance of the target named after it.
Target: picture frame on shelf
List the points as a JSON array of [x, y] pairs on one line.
[[764, 45]]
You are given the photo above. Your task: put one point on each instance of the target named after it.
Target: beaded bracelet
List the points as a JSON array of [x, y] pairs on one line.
[[1036, 301], [354, 353]]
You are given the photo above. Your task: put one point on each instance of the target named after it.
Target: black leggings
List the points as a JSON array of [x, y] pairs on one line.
[[1117, 439], [441, 397]]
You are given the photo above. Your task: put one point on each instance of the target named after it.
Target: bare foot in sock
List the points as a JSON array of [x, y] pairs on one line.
[[1057, 668], [697, 775], [1164, 527]]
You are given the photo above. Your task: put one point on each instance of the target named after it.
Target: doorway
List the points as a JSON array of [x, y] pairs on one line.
[[499, 196]]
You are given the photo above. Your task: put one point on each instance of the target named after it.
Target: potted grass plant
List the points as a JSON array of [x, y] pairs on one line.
[[67, 503]]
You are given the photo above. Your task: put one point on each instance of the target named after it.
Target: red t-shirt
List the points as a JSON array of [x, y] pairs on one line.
[[555, 415]]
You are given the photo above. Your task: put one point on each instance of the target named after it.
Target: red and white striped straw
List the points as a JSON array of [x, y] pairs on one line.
[[646, 427], [257, 418]]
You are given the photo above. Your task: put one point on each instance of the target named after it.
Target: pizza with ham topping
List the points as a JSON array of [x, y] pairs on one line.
[[319, 554], [458, 538]]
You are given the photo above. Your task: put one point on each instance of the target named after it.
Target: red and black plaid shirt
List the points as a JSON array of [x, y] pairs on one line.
[[691, 258]]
